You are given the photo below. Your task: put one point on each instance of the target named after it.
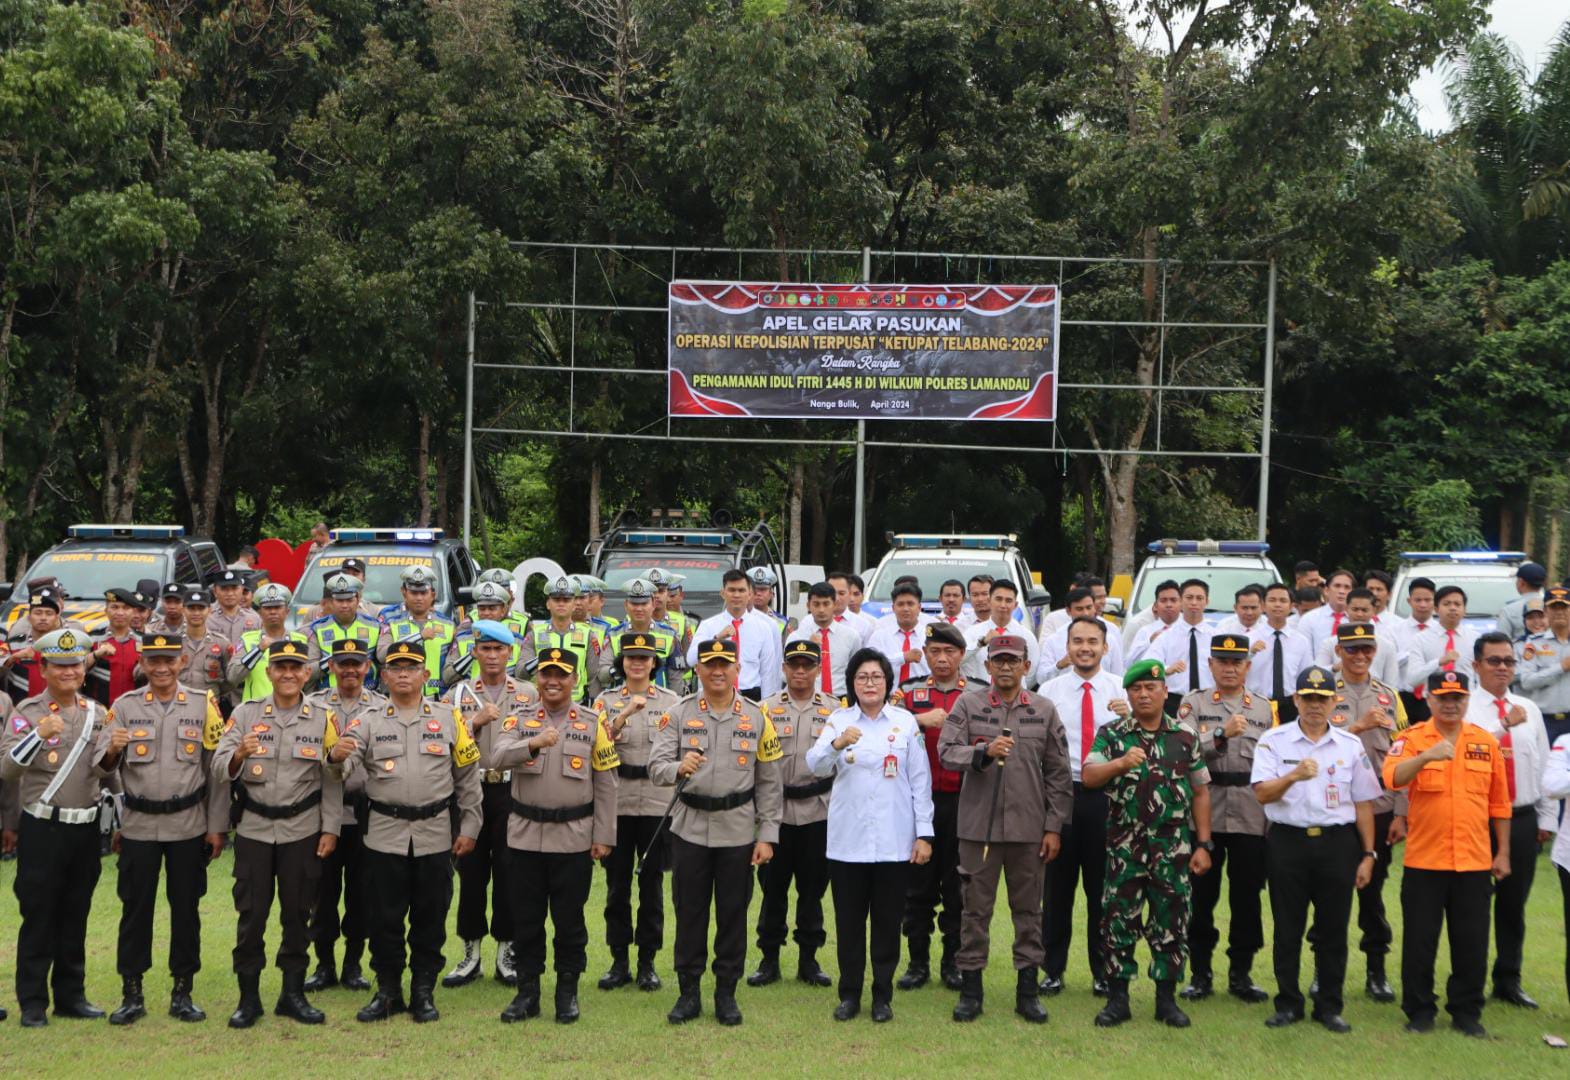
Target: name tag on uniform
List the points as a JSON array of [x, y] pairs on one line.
[[1332, 796], [890, 767]]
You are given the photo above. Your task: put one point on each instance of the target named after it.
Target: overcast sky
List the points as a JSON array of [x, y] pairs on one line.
[[1528, 24]]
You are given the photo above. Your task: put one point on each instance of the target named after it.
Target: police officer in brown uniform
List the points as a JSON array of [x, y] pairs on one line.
[[347, 700], [722, 751], [798, 714], [484, 700], [1372, 711], [205, 666], [159, 740], [1015, 799], [563, 806], [46, 752], [419, 761], [633, 714], [1229, 721], [273, 755]]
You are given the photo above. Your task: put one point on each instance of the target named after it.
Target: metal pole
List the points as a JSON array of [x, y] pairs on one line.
[[1270, 382], [859, 545], [468, 431]]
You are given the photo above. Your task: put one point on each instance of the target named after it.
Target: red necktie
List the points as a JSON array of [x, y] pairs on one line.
[[828, 675], [1087, 723], [1450, 646], [1335, 622], [1506, 747], [953, 619], [904, 669], [735, 627]]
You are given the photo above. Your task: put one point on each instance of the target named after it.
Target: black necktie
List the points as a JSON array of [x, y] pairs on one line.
[[1277, 690], [1193, 659]]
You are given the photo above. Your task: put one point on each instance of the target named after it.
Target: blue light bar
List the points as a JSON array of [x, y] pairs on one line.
[[125, 532], [1208, 547], [695, 539], [1464, 556], [972, 541], [387, 536]]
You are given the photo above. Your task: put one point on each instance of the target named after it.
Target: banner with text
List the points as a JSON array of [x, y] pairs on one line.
[[863, 352]]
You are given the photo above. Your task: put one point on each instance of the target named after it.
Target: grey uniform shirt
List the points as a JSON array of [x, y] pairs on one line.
[[1038, 794], [10, 809], [1352, 701], [730, 740], [199, 657], [636, 795], [289, 768], [411, 756], [1543, 675], [230, 627], [1233, 806], [166, 758], [512, 697], [343, 714], [798, 725], [82, 785], [561, 777]]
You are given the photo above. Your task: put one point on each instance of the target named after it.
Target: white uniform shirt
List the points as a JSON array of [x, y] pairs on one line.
[[1234, 625], [1172, 648], [758, 646], [1136, 622], [1345, 776], [1054, 647], [1138, 641], [1067, 694], [1296, 654], [860, 622], [1431, 644], [1409, 632], [843, 641], [877, 808], [1528, 749], [1321, 623], [890, 640], [974, 666], [1556, 785]]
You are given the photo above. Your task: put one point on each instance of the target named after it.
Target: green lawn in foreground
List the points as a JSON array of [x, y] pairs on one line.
[[788, 1030]]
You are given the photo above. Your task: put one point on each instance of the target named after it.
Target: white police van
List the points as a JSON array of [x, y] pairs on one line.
[[1224, 565], [933, 558]]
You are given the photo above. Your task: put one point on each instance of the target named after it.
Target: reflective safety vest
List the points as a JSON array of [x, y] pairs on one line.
[[664, 643], [580, 641], [608, 624], [257, 684], [404, 628], [327, 630]]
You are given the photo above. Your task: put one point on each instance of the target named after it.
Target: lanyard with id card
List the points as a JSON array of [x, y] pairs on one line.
[[890, 762]]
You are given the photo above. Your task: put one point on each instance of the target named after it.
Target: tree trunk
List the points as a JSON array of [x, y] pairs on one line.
[[793, 511], [594, 497], [442, 517], [1085, 482], [422, 468]]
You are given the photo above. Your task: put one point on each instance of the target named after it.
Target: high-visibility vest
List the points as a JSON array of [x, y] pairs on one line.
[[257, 684], [327, 630]]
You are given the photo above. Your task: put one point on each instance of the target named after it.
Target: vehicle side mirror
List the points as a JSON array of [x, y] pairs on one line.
[[6, 589], [1036, 595], [1114, 607]]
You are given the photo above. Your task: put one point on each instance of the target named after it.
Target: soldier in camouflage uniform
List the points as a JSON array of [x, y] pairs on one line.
[[1154, 774]]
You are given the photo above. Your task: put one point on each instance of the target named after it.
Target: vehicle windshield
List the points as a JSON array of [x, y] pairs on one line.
[[90, 574], [931, 571], [703, 572], [383, 568], [1485, 596], [1224, 581]]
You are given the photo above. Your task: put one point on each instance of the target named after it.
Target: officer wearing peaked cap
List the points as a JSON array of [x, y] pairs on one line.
[[632, 714], [46, 751], [640, 620], [159, 742], [763, 580], [561, 632], [417, 620], [171, 610], [594, 608], [485, 699], [1229, 721], [517, 621], [232, 617], [273, 754], [343, 619], [490, 603], [205, 660], [246, 672]]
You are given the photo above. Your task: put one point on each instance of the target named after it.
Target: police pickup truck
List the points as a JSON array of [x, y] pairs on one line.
[[386, 553], [674, 542]]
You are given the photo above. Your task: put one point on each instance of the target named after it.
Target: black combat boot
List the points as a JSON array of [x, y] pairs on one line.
[[1378, 986], [1027, 999], [1116, 1010], [689, 1006], [768, 969], [181, 1007], [1167, 1010], [250, 1008], [918, 971], [970, 996], [325, 977], [567, 997], [948, 971], [353, 978], [526, 1002], [726, 1011], [1201, 984], [618, 975], [808, 971], [388, 1001], [422, 997], [648, 979], [132, 1008], [292, 1003], [1241, 985]]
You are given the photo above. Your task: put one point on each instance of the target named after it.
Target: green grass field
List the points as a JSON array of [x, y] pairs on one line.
[[788, 1030]]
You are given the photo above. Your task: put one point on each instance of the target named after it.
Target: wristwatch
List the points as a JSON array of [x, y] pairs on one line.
[[1371, 855], [1207, 846]]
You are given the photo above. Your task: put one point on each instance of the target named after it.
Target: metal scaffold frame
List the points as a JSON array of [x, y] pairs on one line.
[[1030, 267]]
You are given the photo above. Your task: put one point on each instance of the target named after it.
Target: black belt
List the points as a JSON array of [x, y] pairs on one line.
[[165, 806], [411, 813], [717, 802], [1312, 830], [248, 805], [1522, 811], [553, 815], [629, 771], [1230, 779], [1556, 716], [807, 791]]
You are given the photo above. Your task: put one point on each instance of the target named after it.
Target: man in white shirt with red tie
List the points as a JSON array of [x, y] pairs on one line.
[[1279, 654], [902, 640], [1323, 622], [1410, 632], [1004, 598], [1518, 724], [759, 647], [1087, 698], [1184, 647], [837, 641], [951, 601], [1450, 646]]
